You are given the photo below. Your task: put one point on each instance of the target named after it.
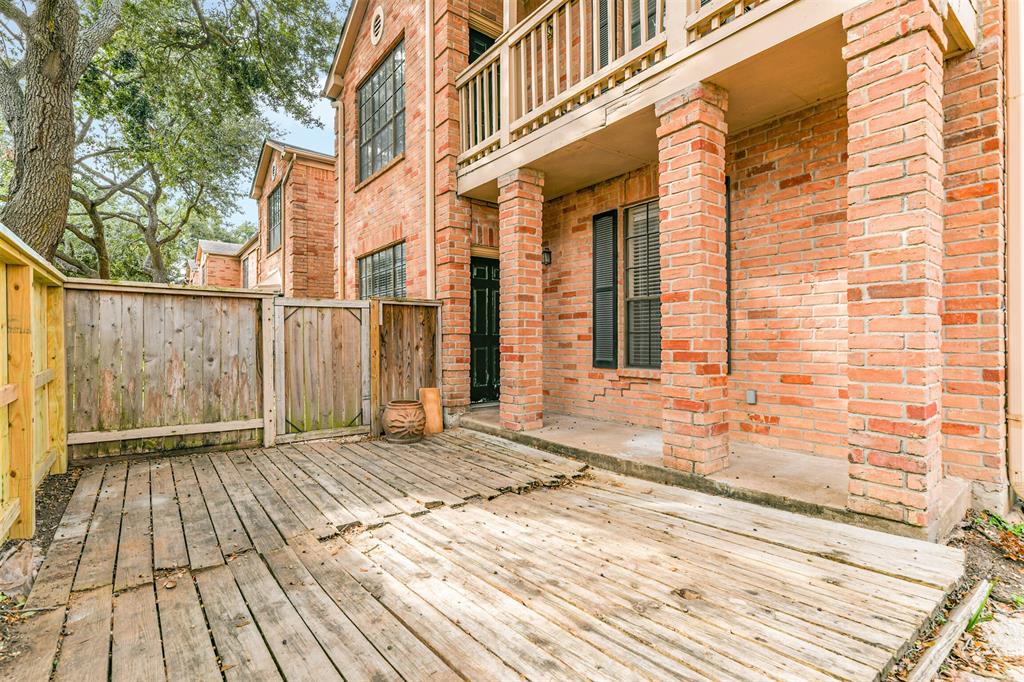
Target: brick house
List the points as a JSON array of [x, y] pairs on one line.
[[768, 225], [223, 264], [216, 264], [296, 190]]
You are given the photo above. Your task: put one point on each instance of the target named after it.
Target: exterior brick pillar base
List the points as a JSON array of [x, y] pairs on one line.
[[895, 223], [691, 155], [520, 222]]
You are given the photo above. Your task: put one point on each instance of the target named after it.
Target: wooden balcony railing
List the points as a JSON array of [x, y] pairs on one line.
[[565, 54]]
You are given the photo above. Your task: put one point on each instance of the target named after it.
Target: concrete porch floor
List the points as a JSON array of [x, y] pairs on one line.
[[793, 475], [788, 480]]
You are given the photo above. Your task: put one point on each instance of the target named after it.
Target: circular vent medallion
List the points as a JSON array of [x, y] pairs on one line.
[[377, 25]]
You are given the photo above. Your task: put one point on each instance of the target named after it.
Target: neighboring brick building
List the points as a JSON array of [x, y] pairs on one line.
[[295, 189], [777, 224], [216, 264]]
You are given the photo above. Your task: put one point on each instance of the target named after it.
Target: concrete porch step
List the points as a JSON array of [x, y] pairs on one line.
[[797, 482]]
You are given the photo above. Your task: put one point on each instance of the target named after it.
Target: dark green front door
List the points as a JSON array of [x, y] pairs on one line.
[[484, 338]]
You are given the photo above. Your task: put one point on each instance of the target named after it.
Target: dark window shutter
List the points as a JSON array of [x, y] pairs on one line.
[[605, 264]]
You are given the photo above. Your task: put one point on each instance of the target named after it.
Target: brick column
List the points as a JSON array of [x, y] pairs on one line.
[[894, 83], [691, 155], [451, 214], [520, 218]]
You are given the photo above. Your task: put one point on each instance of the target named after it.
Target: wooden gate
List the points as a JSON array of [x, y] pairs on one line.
[[322, 352]]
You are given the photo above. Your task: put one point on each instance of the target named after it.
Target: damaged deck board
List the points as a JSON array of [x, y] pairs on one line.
[[377, 561]]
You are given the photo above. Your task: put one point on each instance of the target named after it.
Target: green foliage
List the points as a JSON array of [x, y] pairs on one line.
[[998, 522], [179, 92], [979, 615]]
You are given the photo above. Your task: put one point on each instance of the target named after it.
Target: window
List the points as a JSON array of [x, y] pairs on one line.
[[381, 101], [643, 287], [479, 42], [274, 220], [383, 273], [245, 272]]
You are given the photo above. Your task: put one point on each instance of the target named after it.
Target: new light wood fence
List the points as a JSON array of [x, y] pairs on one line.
[[32, 406]]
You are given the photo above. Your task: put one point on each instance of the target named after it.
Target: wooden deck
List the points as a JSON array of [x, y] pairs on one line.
[[370, 561]]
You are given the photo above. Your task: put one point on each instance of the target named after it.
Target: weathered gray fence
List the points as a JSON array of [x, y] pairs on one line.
[[322, 385], [156, 368], [410, 356], [160, 367]]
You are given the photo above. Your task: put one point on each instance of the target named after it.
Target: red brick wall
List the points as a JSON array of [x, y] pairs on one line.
[[571, 384], [483, 218], [222, 271], [309, 231], [306, 258], [789, 339], [268, 262], [389, 206], [974, 395]]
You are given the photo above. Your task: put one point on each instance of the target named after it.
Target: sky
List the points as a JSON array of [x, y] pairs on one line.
[[292, 132]]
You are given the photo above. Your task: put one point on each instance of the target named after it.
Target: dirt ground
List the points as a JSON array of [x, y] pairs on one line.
[[51, 501], [994, 649]]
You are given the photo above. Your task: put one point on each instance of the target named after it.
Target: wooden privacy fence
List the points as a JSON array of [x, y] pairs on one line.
[[409, 348], [32, 406], [156, 368], [323, 383]]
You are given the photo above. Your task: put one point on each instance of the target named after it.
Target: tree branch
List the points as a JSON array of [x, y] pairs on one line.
[[16, 14], [73, 262], [95, 36]]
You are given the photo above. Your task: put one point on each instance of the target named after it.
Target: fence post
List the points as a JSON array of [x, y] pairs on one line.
[[279, 393], [375, 314], [57, 390], [267, 335], [19, 373], [364, 362]]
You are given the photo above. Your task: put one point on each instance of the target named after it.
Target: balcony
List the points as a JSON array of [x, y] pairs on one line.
[[570, 89]]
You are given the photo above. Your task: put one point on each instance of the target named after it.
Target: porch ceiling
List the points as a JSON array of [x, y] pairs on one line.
[[792, 75]]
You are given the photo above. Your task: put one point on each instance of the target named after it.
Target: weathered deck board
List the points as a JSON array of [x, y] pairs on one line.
[[86, 631], [135, 551], [201, 539], [442, 573], [136, 647], [244, 655], [96, 567], [169, 549], [53, 583], [188, 651]]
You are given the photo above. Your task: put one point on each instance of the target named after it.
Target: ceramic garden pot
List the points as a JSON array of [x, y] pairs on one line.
[[403, 421]]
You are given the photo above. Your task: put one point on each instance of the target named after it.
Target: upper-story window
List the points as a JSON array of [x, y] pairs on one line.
[[274, 220], [479, 42], [381, 100]]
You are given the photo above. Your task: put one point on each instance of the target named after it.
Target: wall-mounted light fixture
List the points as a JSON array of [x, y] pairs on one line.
[[545, 256]]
